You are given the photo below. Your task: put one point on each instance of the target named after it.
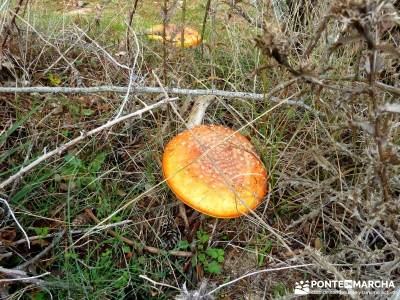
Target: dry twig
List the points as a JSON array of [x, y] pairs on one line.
[[16, 221], [154, 90]]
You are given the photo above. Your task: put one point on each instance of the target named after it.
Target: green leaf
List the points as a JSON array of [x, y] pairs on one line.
[[142, 260], [87, 112], [126, 249], [201, 257], [92, 183], [41, 231], [183, 245], [263, 251], [73, 161], [71, 255], [106, 253], [279, 290], [39, 296], [194, 261], [97, 162], [122, 281], [213, 267], [116, 219], [66, 133], [213, 252], [55, 79], [202, 236], [224, 237]]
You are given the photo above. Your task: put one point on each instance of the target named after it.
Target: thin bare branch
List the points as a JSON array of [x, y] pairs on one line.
[[16, 221], [151, 90], [159, 283]]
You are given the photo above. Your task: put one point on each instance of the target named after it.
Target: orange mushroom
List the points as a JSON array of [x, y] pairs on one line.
[[215, 171], [173, 34]]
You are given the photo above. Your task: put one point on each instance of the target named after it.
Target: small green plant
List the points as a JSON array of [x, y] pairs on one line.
[[266, 249], [87, 171], [39, 296], [41, 231], [211, 258], [87, 112], [279, 290], [183, 245], [54, 79]]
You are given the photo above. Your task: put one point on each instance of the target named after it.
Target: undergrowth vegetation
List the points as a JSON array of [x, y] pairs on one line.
[[100, 220]]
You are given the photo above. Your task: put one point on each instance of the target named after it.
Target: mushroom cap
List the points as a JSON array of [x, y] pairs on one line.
[[173, 34], [215, 170]]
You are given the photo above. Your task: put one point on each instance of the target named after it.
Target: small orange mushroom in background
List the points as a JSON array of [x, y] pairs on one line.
[[215, 170], [173, 34]]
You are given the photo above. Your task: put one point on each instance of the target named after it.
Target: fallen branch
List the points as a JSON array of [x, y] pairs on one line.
[[5, 255], [149, 90], [158, 283], [129, 242], [22, 276], [12, 272], [32, 279], [59, 150], [18, 275]]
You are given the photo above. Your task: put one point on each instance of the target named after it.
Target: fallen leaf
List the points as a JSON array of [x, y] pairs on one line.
[[40, 242], [8, 235], [318, 244]]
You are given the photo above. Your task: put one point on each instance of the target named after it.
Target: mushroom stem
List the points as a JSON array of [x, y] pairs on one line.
[[198, 111]]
